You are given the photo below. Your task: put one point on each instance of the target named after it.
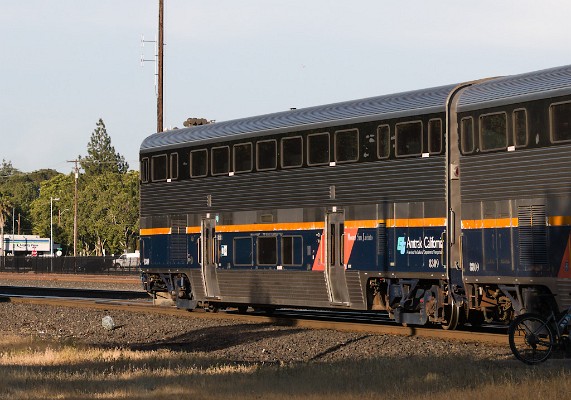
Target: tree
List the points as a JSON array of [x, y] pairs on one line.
[[5, 208], [101, 154], [22, 189], [60, 186], [108, 202], [6, 169], [109, 213]]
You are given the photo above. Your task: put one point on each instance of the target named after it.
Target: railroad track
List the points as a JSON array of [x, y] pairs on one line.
[[133, 301], [45, 292]]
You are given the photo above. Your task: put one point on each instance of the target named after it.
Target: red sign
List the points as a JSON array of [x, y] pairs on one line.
[[34, 253]]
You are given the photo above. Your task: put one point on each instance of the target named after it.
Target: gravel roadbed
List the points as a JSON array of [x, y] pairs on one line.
[[231, 340], [235, 341]]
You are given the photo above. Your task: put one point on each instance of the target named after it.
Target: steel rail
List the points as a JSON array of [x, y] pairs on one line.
[[46, 292]]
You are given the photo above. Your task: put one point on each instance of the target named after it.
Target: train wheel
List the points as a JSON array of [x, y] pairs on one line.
[[452, 316], [242, 309]]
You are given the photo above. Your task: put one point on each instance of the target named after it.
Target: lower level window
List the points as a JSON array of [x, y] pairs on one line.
[[243, 251], [267, 250], [292, 250]]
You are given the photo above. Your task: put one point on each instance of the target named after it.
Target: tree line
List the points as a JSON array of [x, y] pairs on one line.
[[107, 199]]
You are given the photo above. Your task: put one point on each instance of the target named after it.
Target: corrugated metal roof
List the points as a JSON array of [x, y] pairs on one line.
[[516, 88], [491, 93], [387, 106]]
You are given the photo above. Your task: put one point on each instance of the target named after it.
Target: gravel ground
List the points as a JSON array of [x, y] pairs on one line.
[[232, 340]]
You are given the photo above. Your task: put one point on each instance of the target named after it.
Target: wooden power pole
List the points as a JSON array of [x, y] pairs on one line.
[[160, 69]]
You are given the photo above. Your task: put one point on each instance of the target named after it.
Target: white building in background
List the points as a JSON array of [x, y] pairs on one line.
[[24, 245]]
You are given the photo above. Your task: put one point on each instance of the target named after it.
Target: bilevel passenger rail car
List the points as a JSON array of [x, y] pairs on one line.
[[444, 204]]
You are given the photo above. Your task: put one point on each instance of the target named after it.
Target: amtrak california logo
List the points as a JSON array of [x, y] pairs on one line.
[[422, 245]]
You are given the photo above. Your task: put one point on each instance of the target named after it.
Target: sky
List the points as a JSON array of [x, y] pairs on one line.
[[66, 63]]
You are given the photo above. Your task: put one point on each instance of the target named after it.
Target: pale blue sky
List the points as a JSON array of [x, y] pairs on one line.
[[66, 63]]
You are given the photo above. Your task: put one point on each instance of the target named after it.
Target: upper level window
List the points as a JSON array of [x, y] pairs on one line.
[[220, 160], [198, 163], [318, 149], [174, 166], [409, 139], [493, 131], [347, 145], [435, 136], [520, 127], [467, 135], [159, 168], [560, 121], [292, 152], [383, 141], [145, 170], [266, 155], [242, 157]]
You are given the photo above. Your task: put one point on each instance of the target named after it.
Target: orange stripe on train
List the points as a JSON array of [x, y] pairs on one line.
[[362, 224]]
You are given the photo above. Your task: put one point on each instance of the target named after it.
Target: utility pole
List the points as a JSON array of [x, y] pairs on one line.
[[76, 171], [160, 69]]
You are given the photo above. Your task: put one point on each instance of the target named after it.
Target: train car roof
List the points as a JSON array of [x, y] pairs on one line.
[[405, 104], [512, 89], [485, 94]]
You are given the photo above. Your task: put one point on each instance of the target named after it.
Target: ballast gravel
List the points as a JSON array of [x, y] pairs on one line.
[[231, 340]]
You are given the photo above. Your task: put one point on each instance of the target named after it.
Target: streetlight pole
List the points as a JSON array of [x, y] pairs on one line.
[[76, 171], [52, 199]]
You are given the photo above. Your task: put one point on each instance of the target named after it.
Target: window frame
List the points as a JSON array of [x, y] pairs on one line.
[[551, 127], [328, 149], [416, 121], [145, 172], [335, 154], [379, 142], [293, 264], [258, 155], [250, 238], [480, 126], [462, 141], [207, 159], [258, 251], [173, 156], [526, 128], [212, 160], [282, 158], [429, 135], [234, 157], [153, 168]]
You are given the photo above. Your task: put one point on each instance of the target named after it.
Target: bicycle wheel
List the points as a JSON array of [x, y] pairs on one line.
[[531, 338]]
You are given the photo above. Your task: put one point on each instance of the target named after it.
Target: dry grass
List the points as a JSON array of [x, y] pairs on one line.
[[31, 369]]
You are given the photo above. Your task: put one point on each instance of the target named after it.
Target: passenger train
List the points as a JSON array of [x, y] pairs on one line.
[[444, 205]]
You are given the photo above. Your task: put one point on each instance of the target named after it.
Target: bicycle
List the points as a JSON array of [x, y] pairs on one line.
[[533, 338]]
